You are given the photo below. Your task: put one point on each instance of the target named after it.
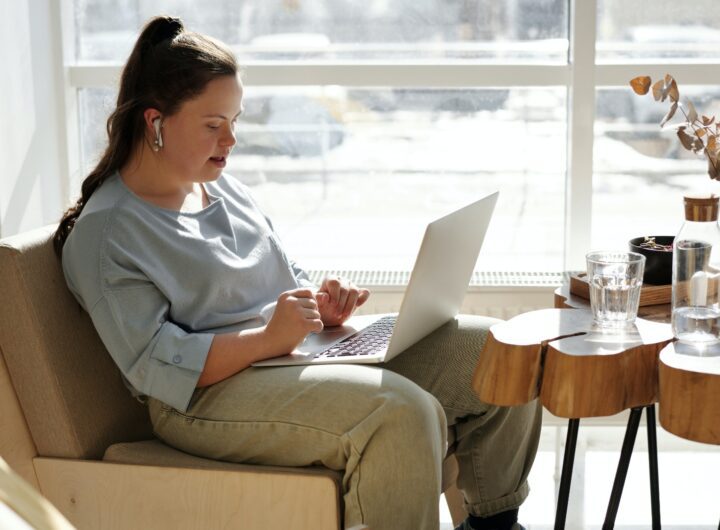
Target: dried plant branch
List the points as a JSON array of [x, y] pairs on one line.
[[705, 130]]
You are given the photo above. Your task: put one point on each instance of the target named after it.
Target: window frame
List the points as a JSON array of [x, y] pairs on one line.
[[581, 76]]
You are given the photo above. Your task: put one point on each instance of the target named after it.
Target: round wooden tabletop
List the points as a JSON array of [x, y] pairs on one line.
[[689, 393], [577, 369]]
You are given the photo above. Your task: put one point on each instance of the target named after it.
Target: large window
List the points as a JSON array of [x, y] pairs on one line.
[[342, 30], [364, 120]]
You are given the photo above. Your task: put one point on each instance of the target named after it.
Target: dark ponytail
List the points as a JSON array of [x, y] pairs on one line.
[[166, 67]]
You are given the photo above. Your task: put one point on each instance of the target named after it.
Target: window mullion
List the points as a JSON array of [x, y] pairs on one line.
[[619, 74], [69, 129], [390, 75], [581, 118]]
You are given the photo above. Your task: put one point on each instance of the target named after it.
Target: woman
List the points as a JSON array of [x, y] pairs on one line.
[[187, 285]]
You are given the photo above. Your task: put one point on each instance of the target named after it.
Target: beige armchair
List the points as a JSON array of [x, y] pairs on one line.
[[21, 506], [72, 430]]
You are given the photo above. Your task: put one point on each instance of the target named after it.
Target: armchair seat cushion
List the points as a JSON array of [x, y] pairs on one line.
[[156, 453]]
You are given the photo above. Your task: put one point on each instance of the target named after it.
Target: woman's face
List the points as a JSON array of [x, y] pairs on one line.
[[197, 139]]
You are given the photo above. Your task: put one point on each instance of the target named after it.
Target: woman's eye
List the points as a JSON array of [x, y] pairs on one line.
[[214, 126]]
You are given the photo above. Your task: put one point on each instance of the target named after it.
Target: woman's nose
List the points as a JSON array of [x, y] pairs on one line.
[[228, 139]]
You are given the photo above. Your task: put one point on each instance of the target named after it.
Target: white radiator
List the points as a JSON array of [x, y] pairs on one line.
[[496, 294]]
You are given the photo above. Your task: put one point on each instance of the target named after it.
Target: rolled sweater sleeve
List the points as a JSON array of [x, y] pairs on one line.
[[158, 357]]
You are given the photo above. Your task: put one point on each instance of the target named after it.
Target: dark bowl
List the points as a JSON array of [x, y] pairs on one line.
[[658, 263]]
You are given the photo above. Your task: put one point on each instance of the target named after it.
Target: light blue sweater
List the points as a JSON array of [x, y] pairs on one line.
[[158, 284]]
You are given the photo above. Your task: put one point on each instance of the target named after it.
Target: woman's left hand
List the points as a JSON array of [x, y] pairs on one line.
[[337, 298]]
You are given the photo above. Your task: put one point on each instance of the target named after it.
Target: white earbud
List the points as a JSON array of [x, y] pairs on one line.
[[157, 123]]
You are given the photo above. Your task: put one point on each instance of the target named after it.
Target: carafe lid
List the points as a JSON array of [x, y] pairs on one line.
[[701, 208]]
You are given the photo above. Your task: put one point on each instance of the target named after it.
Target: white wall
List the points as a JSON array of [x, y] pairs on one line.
[[32, 162]]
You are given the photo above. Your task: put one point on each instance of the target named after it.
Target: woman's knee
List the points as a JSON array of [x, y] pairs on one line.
[[411, 413]]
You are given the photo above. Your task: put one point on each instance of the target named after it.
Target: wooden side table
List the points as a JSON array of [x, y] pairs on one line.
[[577, 371], [689, 394]]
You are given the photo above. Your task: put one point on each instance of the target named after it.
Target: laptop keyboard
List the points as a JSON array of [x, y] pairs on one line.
[[372, 339]]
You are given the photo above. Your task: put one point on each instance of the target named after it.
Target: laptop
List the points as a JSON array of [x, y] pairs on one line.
[[435, 292]]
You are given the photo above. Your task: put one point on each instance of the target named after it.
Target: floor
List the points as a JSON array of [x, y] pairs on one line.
[[689, 487]]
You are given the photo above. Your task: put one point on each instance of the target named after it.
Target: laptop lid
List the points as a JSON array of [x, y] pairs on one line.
[[442, 273], [434, 295]]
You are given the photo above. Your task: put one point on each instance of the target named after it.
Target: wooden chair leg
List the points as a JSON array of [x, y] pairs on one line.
[[454, 500]]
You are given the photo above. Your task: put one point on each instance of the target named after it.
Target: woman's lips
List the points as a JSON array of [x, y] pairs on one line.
[[218, 161]]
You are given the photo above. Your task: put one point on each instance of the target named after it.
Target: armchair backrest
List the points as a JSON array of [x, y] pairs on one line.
[[71, 392]]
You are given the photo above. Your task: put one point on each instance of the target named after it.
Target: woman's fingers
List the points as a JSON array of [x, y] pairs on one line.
[[309, 303], [314, 320], [333, 287], [342, 298], [350, 302], [363, 297], [322, 299], [338, 298], [303, 292]]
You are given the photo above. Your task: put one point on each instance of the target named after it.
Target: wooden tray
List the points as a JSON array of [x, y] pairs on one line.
[[649, 294]]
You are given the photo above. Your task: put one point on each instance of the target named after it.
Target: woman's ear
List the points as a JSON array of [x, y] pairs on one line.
[[153, 122], [149, 116]]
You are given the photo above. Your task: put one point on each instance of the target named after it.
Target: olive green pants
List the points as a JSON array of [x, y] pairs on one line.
[[384, 427]]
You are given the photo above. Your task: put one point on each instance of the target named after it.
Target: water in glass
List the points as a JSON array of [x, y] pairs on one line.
[[697, 324], [614, 299]]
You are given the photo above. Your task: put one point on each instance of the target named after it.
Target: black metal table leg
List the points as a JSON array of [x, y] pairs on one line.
[[621, 473], [566, 475], [653, 461]]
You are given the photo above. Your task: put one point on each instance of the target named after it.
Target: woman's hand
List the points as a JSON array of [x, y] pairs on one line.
[[296, 315], [337, 298]]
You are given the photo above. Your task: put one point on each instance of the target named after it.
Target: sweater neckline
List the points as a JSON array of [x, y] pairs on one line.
[[214, 201]]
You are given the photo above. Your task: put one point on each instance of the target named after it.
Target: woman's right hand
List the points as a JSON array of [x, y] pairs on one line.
[[296, 315]]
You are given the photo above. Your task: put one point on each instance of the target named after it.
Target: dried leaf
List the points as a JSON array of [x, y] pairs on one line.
[[641, 85], [711, 144], [685, 139], [713, 171], [669, 115], [657, 90], [697, 134]]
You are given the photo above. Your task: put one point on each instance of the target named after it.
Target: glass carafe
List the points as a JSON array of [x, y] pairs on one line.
[[696, 275]]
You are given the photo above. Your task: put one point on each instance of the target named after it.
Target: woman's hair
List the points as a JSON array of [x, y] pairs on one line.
[[167, 67]]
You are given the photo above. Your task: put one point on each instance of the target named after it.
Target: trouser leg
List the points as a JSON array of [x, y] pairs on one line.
[[386, 434], [495, 446]]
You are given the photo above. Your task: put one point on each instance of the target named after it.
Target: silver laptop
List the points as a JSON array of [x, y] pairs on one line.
[[437, 286]]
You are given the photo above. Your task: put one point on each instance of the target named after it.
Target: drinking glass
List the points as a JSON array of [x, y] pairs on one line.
[[615, 279]]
